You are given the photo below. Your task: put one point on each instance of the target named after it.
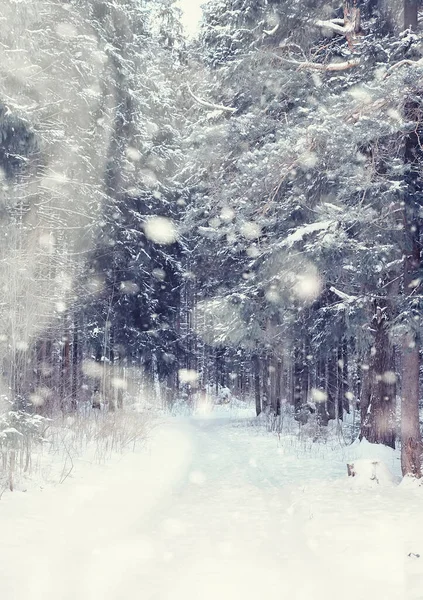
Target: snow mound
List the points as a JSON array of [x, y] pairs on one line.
[[365, 471], [373, 464], [364, 450], [410, 482]]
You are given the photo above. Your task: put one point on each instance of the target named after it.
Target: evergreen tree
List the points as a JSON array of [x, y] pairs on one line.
[[308, 192]]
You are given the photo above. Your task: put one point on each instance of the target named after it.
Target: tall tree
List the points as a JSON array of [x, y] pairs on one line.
[[411, 442]]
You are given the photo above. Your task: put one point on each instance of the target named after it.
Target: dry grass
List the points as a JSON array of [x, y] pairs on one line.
[[46, 450]]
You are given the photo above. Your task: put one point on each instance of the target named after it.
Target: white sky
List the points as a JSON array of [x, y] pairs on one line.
[[191, 14]]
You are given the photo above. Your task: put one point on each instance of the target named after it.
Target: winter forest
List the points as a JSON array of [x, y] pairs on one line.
[[211, 225]]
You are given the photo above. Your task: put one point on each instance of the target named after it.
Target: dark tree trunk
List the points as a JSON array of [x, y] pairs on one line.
[[272, 369], [345, 386], [300, 380], [278, 386], [218, 367], [410, 14], [256, 369], [332, 385], [75, 365], [66, 370], [378, 392], [265, 384], [411, 446], [321, 378], [352, 20]]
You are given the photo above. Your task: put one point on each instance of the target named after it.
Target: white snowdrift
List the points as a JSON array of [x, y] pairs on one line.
[[374, 464], [212, 511], [366, 470]]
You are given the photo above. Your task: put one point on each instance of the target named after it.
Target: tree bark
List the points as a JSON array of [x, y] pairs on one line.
[[332, 385], [411, 442], [321, 384], [273, 372], [410, 14], [378, 397], [256, 369], [265, 383], [278, 384], [411, 445], [300, 374]]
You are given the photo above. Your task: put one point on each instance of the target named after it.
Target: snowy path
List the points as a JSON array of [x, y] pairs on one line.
[[212, 511]]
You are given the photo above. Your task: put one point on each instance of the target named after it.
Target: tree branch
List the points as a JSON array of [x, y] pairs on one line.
[[402, 63], [271, 31], [335, 26], [335, 66], [211, 104], [349, 26]]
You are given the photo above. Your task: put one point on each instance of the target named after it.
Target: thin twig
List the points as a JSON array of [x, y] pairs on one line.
[[72, 464]]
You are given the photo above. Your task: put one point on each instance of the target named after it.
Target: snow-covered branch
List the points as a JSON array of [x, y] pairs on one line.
[[335, 25], [349, 26], [334, 66], [403, 63], [271, 31], [342, 295], [210, 104]]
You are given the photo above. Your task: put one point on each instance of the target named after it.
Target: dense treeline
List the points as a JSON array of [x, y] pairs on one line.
[[258, 225]]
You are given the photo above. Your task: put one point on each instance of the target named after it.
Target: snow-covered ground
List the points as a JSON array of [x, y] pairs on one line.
[[212, 509]]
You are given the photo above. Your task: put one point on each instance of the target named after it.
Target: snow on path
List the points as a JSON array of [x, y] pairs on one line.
[[212, 511]]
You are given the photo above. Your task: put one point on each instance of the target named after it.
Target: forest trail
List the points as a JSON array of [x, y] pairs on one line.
[[213, 510]]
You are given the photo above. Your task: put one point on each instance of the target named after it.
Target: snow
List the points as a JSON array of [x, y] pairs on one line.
[[308, 286], [161, 230], [250, 230], [307, 229], [342, 295], [211, 507], [367, 472], [191, 16]]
